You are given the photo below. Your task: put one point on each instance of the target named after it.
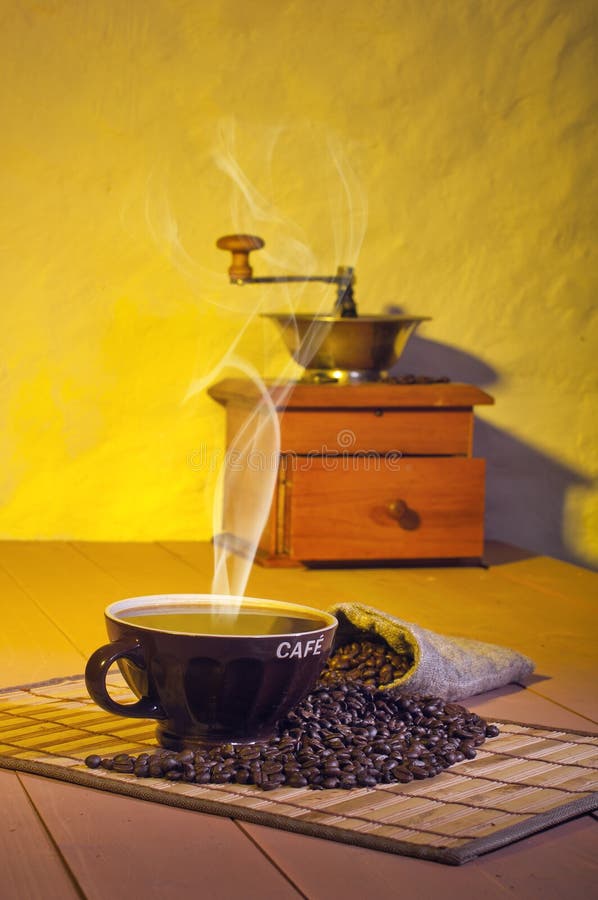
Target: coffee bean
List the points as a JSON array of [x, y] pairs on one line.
[[297, 780], [248, 753], [347, 781], [241, 776], [366, 780], [185, 756], [94, 761], [276, 778], [381, 747], [221, 777]]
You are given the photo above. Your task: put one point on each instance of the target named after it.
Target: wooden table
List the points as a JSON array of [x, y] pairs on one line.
[[61, 841]]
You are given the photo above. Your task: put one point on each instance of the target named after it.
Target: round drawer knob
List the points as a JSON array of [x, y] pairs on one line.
[[404, 516]]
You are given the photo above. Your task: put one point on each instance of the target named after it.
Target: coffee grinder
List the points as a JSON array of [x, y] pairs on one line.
[[372, 469]]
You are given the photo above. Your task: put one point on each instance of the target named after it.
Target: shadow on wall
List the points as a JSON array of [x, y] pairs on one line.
[[526, 490]]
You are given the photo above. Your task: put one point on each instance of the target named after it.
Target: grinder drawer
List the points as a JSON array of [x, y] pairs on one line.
[[420, 432], [358, 508]]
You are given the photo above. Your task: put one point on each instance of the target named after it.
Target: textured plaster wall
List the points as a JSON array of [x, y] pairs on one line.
[[469, 126]]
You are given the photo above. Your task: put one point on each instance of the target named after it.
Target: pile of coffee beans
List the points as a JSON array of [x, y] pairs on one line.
[[343, 735], [370, 662]]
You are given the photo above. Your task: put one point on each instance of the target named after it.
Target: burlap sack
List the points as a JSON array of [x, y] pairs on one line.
[[449, 667]]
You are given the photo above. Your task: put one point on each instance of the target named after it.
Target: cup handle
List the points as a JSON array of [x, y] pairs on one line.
[[95, 679]]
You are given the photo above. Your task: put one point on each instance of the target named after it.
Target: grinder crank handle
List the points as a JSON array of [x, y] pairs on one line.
[[240, 245]]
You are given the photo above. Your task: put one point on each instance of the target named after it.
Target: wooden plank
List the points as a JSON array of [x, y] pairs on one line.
[[554, 577], [314, 587], [30, 865], [334, 396], [468, 601], [525, 705], [558, 863], [569, 626], [197, 554], [32, 647], [144, 568], [70, 589], [123, 847], [483, 604]]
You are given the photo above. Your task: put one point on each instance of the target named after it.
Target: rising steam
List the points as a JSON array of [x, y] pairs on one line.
[[337, 191]]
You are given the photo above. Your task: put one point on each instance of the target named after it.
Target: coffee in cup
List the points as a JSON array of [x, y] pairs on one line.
[[211, 669]]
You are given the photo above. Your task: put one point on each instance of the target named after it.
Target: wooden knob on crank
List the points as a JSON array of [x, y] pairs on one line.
[[240, 245]]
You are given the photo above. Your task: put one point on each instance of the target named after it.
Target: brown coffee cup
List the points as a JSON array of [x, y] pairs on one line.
[[211, 669]]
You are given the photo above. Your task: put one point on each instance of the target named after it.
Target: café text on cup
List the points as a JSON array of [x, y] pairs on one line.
[[300, 649]]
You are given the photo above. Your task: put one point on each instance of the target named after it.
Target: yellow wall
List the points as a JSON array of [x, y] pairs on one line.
[[468, 126]]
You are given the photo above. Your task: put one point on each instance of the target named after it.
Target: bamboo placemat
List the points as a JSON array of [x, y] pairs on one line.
[[525, 780]]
